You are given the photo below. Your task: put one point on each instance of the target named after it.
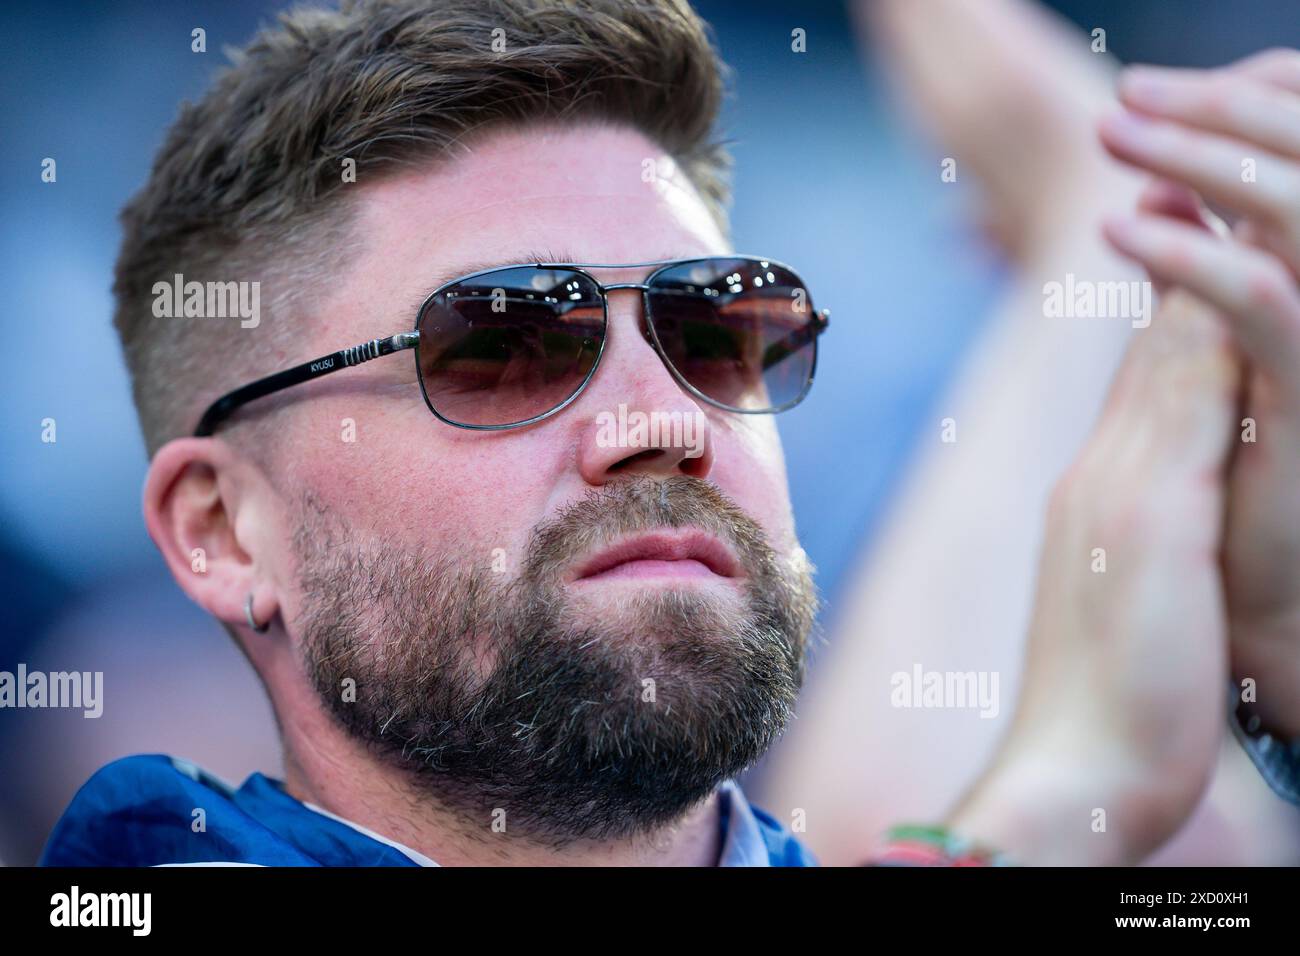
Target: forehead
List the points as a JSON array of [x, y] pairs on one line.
[[586, 194]]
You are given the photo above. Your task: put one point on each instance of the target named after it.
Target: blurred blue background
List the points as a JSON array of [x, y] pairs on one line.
[[827, 178]]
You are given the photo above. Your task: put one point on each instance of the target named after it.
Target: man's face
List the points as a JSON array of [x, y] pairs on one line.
[[601, 633]]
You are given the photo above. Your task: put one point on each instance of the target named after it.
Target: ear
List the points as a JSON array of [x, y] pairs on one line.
[[203, 506]]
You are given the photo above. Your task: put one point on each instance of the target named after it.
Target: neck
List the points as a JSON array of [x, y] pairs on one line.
[[327, 768]]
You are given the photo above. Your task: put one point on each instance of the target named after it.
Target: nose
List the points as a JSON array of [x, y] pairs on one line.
[[636, 417]]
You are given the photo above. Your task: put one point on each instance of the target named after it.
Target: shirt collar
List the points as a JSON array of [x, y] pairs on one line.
[[415, 856], [743, 843]]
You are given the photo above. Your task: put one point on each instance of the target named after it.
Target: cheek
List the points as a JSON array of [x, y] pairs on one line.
[[432, 489], [750, 468]]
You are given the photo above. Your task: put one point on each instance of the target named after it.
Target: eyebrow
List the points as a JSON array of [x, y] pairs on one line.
[[445, 275], [526, 258]]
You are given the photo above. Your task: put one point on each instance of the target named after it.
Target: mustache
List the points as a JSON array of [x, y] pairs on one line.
[[640, 503]]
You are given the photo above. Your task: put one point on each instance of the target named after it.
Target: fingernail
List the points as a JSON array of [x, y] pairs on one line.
[[1147, 86], [1120, 227], [1128, 128]]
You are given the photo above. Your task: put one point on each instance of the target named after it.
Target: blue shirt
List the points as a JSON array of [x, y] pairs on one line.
[[145, 811]]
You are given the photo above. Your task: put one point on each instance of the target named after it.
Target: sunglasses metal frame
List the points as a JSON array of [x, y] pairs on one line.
[[224, 406]]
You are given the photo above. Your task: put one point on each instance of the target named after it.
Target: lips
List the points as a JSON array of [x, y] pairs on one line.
[[676, 553]]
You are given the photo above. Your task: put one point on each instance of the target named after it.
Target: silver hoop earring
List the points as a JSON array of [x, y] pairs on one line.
[[248, 613]]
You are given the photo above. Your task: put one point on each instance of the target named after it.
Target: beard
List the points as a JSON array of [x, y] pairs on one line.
[[493, 691]]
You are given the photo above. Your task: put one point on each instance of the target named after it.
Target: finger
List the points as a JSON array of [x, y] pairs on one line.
[[1254, 289], [1210, 164], [1163, 197], [1249, 233], [1279, 67], [1232, 104]]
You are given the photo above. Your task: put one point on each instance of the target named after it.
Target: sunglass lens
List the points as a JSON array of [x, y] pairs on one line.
[[739, 331], [509, 345]]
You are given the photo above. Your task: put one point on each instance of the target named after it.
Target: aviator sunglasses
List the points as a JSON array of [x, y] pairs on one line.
[[512, 345]]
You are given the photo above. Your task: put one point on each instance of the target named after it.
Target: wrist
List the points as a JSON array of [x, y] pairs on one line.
[[1042, 812], [927, 845]]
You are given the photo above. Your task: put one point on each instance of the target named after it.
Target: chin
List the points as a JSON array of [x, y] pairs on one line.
[[664, 610]]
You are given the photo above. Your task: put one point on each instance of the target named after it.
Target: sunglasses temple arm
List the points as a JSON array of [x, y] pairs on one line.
[[222, 408]]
